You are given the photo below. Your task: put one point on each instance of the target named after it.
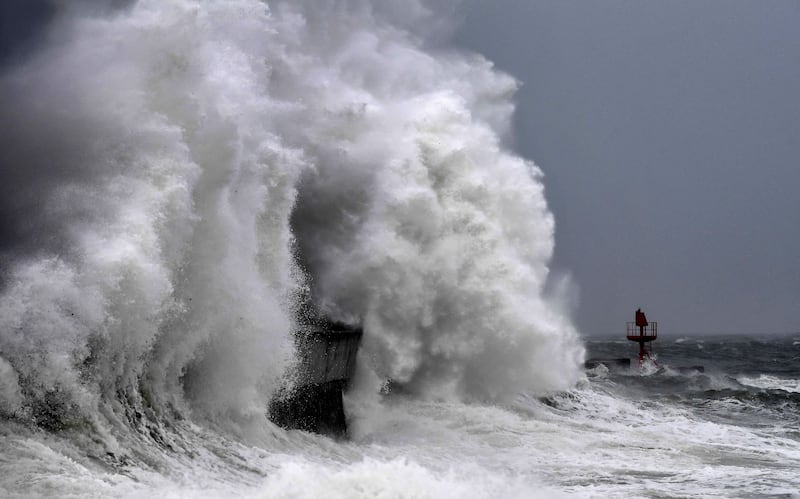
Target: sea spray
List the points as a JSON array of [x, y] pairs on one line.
[[174, 272], [197, 176], [418, 223], [183, 181]]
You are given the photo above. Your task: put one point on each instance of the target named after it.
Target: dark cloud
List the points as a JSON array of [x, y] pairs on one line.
[[21, 25], [24, 23], [46, 136]]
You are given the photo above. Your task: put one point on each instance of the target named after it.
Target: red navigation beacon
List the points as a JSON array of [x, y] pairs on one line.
[[644, 333]]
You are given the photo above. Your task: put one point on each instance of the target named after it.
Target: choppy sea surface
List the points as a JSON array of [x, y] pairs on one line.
[[731, 431], [187, 182]]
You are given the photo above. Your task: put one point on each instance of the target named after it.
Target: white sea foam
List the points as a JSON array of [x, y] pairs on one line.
[[10, 396], [203, 172], [771, 382], [215, 143]]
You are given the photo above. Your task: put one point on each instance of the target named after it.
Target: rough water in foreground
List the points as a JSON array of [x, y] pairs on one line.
[[732, 431]]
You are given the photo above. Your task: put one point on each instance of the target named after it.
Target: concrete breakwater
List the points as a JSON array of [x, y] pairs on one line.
[[312, 398], [617, 363]]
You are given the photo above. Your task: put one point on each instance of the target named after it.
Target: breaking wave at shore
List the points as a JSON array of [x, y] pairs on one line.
[[188, 181]]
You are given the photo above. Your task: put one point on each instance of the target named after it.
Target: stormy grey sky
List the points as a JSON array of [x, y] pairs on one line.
[[669, 134]]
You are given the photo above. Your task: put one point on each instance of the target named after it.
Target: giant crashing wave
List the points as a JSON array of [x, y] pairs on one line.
[[184, 182]]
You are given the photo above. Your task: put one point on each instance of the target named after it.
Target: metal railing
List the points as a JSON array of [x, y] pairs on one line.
[[650, 330]]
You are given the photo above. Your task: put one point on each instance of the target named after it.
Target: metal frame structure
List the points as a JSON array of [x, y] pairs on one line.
[[644, 336]]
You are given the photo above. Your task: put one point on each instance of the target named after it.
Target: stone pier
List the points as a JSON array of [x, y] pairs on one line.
[[326, 363]]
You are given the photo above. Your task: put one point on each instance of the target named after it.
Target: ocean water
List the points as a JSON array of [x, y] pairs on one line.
[[186, 182], [731, 431]]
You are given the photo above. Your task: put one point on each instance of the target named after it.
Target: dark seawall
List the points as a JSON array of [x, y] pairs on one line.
[[312, 401], [616, 363]]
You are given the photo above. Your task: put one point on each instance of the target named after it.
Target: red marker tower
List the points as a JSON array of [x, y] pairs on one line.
[[644, 335]]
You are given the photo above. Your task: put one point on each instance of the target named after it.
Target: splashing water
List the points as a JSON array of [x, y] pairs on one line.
[[187, 181]]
